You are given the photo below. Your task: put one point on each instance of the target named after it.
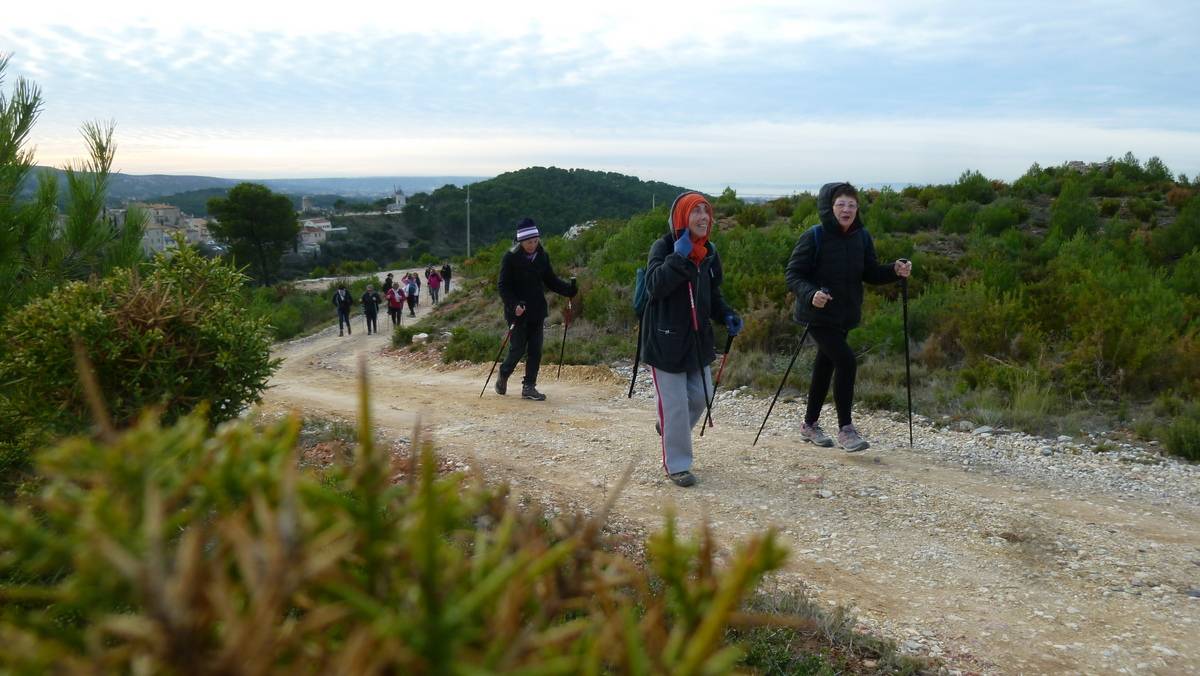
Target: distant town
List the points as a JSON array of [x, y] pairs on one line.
[[164, 222]]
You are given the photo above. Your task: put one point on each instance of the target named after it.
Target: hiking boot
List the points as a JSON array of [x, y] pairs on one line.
[[530, 392], [502, 384], [683, 479], [813, 434], [848, 439]]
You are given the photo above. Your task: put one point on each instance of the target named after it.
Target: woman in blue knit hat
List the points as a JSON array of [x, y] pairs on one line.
[[525, 273]]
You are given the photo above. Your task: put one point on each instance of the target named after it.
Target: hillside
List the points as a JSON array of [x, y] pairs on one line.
[[555, 198], [159, 187], [1066, 301]]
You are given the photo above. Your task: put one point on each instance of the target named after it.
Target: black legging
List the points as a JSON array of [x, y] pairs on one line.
[[834, 358], [372, 324], [526, 342]]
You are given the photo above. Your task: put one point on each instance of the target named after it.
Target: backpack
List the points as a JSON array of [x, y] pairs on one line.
[[641, 297], [412, 288], [817, 232]]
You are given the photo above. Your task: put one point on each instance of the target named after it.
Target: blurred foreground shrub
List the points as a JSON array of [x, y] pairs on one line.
[[176, 550]]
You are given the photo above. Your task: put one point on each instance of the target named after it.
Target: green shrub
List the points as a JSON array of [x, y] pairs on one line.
[[806, 207], [1074, 210], [1109, 207], [1181, 236], [171, 549], [974, 187], [959, 218], [999, 216], [753, 216], [402, 335], [1183, 437], [470, 345], [175, 338], [1142, 208]]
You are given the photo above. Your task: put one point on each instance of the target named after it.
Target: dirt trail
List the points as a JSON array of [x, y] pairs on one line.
[[992, 569]]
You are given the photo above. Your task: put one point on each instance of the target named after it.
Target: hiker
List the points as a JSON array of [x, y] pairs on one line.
[[412, 292], [342, 301], [435, 283], [395, 300], [678, 354], [370, 304], [826, 273], [446, 276], [387, 283], [525, 273]]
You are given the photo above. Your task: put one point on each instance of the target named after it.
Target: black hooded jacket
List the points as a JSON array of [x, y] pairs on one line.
[[846, 260], [526, 281], [668, 340]]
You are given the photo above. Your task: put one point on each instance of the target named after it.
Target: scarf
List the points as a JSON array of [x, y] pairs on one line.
[[679, 220]]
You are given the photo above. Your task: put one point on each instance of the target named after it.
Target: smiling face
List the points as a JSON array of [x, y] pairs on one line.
[[699, 221], [845, 209]]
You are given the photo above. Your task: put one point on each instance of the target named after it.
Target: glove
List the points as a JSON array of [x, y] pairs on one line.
[[683, 245], [733, 324]]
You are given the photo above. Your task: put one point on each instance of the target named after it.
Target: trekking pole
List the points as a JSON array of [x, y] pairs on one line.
[[502, 344], [566, 324], [637, 353], [781, 382], [696, 341], [717, 383], [907, 363]]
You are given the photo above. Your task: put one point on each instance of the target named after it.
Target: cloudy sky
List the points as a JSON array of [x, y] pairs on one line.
[[759, 95]]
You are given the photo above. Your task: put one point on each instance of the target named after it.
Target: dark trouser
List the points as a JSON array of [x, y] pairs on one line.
[[446, 281], [412, 303], [343, 317], [835, 361], [372, 325], [433, 293], [526, 337], [393, 313]]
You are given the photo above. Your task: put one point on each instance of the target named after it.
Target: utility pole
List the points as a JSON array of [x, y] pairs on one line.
[[468, 220]]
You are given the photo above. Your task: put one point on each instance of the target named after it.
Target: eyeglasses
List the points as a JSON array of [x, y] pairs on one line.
[[845, 205]]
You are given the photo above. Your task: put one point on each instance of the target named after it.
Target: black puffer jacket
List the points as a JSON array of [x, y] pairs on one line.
[[668, 341], [526, 281], [846, 260]]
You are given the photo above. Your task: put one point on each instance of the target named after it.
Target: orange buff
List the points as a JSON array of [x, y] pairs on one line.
[[679, 219]]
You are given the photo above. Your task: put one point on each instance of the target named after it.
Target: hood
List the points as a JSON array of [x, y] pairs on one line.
[[825, 208]]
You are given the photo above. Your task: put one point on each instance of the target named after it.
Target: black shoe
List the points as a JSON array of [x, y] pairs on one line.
[[530, 392], [683, 479], [502, 385]]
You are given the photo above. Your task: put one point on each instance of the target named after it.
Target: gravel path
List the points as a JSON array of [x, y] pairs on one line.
[[998, 552]]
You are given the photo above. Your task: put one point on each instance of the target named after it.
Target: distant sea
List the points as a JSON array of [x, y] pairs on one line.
[[761, 192]]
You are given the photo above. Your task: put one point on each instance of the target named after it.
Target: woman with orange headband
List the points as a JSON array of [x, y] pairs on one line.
[[683, 280]]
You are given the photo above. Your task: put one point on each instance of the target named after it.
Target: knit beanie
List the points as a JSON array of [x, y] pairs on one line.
[[527, 229]]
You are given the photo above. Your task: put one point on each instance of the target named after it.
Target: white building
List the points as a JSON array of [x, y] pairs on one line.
[[310, 238], [398, 202]]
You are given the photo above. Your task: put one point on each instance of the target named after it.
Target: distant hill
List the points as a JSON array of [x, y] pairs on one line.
[[555, 198], [125, 187]]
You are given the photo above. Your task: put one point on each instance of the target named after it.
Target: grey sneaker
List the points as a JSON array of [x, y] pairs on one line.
[[813, 434], [848, 439], [683, 479], [530, 392], [502, 385]]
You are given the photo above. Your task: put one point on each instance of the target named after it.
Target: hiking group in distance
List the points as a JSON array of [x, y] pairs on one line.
[[407, 291], [678, 299]]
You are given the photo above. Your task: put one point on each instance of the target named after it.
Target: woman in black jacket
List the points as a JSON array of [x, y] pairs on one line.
[[683, 281], [826, 272], [525, 273]]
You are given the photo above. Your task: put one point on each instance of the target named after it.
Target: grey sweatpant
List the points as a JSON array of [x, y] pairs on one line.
[[680, 407]]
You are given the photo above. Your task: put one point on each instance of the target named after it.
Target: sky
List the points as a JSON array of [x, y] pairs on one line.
[[768, 97]]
